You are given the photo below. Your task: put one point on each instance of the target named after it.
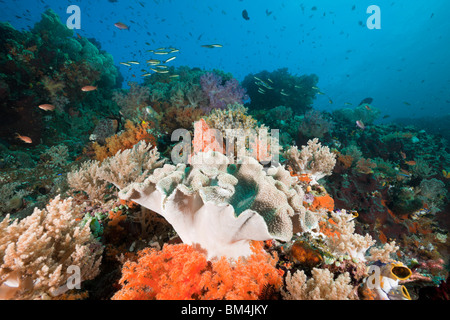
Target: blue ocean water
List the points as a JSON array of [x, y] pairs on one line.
[[402, 66]]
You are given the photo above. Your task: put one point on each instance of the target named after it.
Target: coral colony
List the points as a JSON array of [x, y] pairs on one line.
[[194, 186]]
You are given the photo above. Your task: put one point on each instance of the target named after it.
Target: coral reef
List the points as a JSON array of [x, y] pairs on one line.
[[335, 206], [49, 65]]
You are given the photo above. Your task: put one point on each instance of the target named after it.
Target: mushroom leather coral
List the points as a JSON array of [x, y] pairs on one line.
[[183, 273], [221, 206]]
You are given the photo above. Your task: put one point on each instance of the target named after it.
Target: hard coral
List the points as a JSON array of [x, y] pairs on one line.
[[322, 285], [347, 242], [130, 165], [234, 116], [234, 124]]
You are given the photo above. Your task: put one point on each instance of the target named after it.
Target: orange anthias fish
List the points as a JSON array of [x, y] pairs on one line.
[[89, 88], [367, 107], [405, 172], [121, 26], [360, 124], [24, 138], [47, 107], [410, 163]]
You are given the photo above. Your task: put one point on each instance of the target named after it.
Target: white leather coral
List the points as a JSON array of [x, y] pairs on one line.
[[217, 205]]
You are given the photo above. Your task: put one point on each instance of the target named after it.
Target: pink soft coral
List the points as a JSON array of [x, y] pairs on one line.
[[221, 95]]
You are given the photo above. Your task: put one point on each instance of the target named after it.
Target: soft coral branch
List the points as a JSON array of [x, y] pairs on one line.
[[220, 95]]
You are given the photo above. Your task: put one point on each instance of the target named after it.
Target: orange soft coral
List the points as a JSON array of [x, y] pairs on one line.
[[365, 166], [125, 140], [115, 218], [172, 273], [182, 272], [180, 118], [244, 279], [322, 202], [345, 160]]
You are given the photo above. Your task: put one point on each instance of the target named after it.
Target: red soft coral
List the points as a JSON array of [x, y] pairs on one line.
[[243, 279], [172, 273], [182, 272]]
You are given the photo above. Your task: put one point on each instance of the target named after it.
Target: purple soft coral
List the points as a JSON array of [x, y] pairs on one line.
[[221, 95]]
